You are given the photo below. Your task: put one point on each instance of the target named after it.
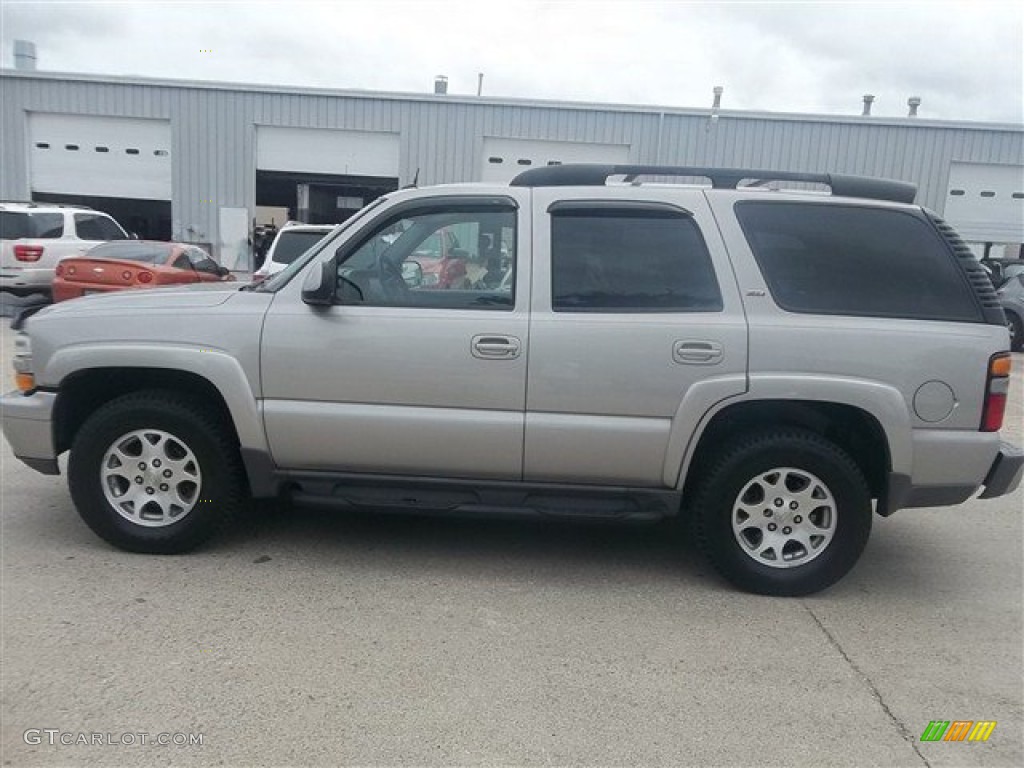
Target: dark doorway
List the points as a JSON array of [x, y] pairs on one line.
[[149, 219], [326, 199]]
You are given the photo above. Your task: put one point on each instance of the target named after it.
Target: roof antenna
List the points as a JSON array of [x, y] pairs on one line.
[[415, 181]]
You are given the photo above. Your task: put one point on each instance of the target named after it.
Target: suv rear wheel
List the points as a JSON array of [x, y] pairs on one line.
[[784, 512], [153, 472]]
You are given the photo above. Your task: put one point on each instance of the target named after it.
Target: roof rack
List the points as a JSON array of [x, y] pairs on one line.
[[44, 204], [594, 175]]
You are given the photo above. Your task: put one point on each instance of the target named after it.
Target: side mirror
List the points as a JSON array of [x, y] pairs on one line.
[[222, 271], [320, 284], [412, 273]]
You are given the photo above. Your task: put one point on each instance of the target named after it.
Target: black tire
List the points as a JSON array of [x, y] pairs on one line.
[[738, 467], [217, 497], [1016, 328]]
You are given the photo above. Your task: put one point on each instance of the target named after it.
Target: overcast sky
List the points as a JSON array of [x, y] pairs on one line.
[[964, 59]]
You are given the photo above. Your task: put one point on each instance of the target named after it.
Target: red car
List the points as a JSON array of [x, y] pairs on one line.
[[442, 260], [132, 264]]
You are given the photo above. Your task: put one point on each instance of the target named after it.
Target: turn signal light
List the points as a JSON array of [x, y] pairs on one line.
[[25, 382], [145, 277], [126, 275], [28, 252], [1000, 365], [996, 387]]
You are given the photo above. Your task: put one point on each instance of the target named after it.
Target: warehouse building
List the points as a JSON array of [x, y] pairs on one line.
[[206, 162]]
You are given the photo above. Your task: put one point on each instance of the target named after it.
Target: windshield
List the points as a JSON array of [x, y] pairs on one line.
[[281, 278], [150, 253], [291, 244]]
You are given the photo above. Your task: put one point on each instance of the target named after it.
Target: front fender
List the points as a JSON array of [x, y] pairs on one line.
[[218, 367]]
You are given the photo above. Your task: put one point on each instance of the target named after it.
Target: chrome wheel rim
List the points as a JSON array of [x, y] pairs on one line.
[[151, 477], [784, 518]]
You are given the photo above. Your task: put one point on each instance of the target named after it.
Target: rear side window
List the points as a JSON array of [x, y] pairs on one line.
[[91, 226], [291, 245], [630, 260], [852, 260], [15, 225]]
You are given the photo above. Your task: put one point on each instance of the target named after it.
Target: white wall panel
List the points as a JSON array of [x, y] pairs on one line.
[[313, 150], [100, 156], [503, 159], [985, 202]]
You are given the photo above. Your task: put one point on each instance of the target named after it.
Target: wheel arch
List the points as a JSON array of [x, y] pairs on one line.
[[854, 429], [82, 392], [91, 374]]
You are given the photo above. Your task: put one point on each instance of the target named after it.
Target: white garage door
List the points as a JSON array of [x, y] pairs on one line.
[[503, 159], [100, 156], [985, 203], [313, 150]]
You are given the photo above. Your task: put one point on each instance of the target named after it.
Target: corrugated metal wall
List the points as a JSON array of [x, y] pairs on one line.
[[213, 132]]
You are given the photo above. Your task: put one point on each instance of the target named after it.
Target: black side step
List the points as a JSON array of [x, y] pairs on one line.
[[479, 498]]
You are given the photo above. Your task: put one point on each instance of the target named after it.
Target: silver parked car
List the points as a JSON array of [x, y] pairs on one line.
[[1011, 296], [772, 363]]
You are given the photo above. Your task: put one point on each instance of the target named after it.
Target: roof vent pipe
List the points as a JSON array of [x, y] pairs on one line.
[[913, 102], [718, 97], [440, 84], [868, 99], [24, 55]]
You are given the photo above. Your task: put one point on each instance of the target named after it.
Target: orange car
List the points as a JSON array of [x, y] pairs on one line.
[[132, 264]]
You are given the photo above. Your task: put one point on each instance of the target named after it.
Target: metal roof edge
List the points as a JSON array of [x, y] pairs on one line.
[[450, 98]]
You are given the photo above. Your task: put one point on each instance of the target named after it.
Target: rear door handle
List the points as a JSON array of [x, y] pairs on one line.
[[495, 347], [697, 352]]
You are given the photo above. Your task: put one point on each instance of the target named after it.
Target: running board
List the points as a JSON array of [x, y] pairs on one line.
[[481, 498]]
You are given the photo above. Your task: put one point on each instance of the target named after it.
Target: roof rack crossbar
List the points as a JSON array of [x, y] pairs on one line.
[[596, 175], [44, 204]]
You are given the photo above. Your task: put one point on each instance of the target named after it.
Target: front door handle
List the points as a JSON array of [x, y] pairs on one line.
[[697, 352], [495, 347]]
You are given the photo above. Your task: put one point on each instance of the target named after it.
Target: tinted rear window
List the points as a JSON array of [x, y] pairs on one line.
[[291, 245], [607, 260], [151, 253], [852, 260], [18, 224]]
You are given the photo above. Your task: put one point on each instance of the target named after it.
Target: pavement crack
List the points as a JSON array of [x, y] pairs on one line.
[[875, 693]]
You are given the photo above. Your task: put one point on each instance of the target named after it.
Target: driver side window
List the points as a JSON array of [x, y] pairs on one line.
[[457, 258]]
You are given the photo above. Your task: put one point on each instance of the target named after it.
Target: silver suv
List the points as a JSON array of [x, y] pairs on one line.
[[35, 237], [778, 365]]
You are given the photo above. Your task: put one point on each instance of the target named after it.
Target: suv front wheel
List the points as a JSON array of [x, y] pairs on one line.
[[154, 472], [785, 512]]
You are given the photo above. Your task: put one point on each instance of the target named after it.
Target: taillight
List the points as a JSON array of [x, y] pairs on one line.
[[996, 387], [145, 277], [28, 252]]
